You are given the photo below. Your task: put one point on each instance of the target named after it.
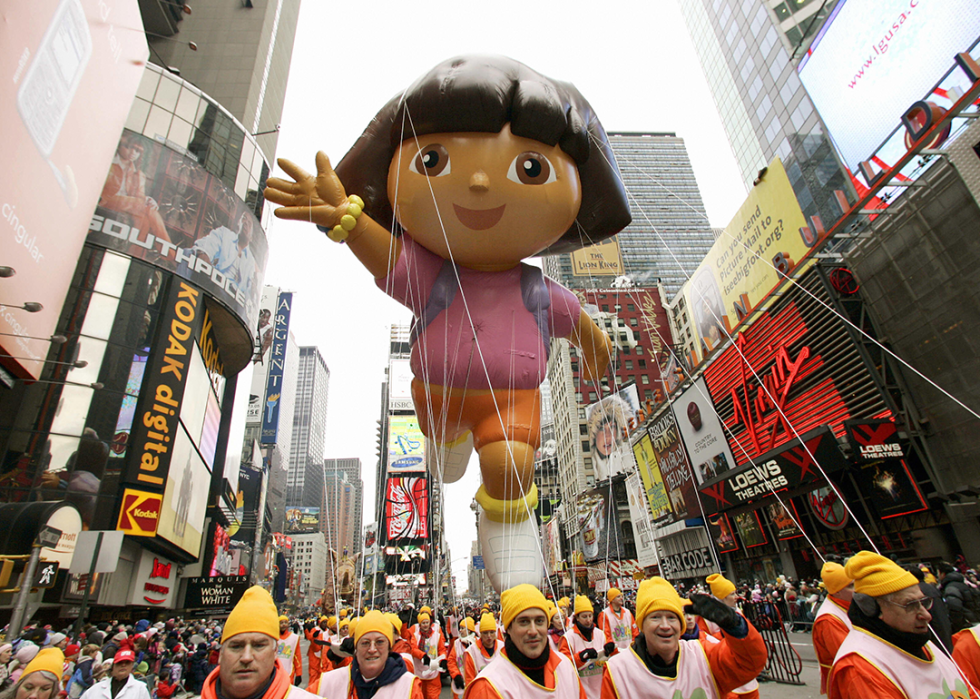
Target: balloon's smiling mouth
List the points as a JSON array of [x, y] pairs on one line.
[[479, 219]]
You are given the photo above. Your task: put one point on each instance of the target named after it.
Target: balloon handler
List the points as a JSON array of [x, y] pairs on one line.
[[479, 164]]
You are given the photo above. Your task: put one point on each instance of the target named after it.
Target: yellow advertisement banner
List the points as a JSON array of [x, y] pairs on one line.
[[653, 482], [767, 238], [599, 260]]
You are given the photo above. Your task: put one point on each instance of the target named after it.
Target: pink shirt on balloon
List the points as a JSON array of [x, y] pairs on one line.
[[486, 337]]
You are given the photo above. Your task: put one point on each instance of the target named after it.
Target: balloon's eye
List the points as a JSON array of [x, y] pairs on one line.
[[432, 160], [531, 168]]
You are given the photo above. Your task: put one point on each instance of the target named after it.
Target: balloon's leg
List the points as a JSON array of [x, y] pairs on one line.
[[449, 461]]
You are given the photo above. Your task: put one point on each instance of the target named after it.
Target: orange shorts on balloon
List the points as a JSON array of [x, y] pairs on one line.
[[492, 416]]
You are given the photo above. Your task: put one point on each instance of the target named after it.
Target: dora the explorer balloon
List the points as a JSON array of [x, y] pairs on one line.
[[478, 165]]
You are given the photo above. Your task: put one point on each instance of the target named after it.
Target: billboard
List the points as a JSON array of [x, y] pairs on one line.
[[654, 491], [302, 520], [277, 364], [162, 207], [873, 58], [400, 385], [247, 503], [551, 541], [768, 233], [406, 508], [599, 260], [646, 551], [675, 469], [61, 59], [608, 423], [185, 499], [159, 406], [702, 433], [598, 525], [406, 445]]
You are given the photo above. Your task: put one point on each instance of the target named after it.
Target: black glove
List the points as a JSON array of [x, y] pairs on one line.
[[458, 682], [710, 608], [309, 625], [347, 645], [426, 660], [444, 665], [588, 654], [609, 648], [299, 678]]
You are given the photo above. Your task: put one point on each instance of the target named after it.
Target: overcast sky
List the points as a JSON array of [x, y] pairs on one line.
[[634, 63]]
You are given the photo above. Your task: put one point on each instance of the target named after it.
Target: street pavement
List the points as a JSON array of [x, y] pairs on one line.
[[810, 676]]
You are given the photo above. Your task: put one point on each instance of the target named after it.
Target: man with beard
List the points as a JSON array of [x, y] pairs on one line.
[[888, 655]]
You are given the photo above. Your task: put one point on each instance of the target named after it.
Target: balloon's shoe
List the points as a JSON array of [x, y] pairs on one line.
[[449, 461], [511, 552]]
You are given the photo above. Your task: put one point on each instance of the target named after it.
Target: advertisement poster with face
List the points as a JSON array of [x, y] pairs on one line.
[[162, 207], [783, 520], [186, 497], [702, 433], [608, 423], [599, 525], [722, 533], [750, 529]]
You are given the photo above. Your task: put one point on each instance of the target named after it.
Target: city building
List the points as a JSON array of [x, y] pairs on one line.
[[338, 508], [137, 421], [308, 563], [240, 55], [669, 234], [304, 484], [748, 50]]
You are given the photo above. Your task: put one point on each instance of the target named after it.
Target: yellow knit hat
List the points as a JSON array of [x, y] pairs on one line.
[[519, 599], [352, 625], [283, 617], [424, 616], [564, 602], [720, 586], [50, 660], [425, 608], [582, 604], [343, 613], [656, 595], [875, 575], [394, 619], [612, 593], [254, 613], [332, 622], [468, 624], [375, 621], [344, 622], [551, 610], [488, 623], [834, 577]]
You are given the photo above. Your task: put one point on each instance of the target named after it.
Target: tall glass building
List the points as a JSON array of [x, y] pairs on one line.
[[748, 51], [669, 235], [304, 485]]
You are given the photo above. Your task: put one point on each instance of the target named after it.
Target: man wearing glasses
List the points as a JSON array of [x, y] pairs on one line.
[[888, 655]]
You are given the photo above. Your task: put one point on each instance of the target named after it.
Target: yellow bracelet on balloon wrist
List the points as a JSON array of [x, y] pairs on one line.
[[355, 207]]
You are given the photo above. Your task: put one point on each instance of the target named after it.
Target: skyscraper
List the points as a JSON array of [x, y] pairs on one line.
[[351, 469], [241, 55], [748, 51], [304, 484], [669, 235]]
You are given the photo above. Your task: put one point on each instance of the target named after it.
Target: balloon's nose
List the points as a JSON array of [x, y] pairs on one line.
[[479, 182]]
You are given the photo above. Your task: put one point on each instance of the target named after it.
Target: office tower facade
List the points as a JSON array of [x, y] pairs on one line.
[[308, 562], [241, 56], [669, 235], [351, 470], [304, 483], [748, 51]]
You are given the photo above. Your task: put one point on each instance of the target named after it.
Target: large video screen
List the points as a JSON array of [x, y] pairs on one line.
[[874, 58], [163, 207]]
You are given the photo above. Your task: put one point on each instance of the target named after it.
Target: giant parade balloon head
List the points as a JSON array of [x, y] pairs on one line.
[[478, 165]]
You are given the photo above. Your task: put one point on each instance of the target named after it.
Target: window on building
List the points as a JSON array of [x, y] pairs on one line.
[[605, 307], [639, 349], [644, 379], [643, 362], [629, 364], [634, 322], [583, 429], [585, 446], [631, 308]]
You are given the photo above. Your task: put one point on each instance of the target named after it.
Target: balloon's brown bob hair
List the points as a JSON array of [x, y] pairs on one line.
[[482, 94]]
